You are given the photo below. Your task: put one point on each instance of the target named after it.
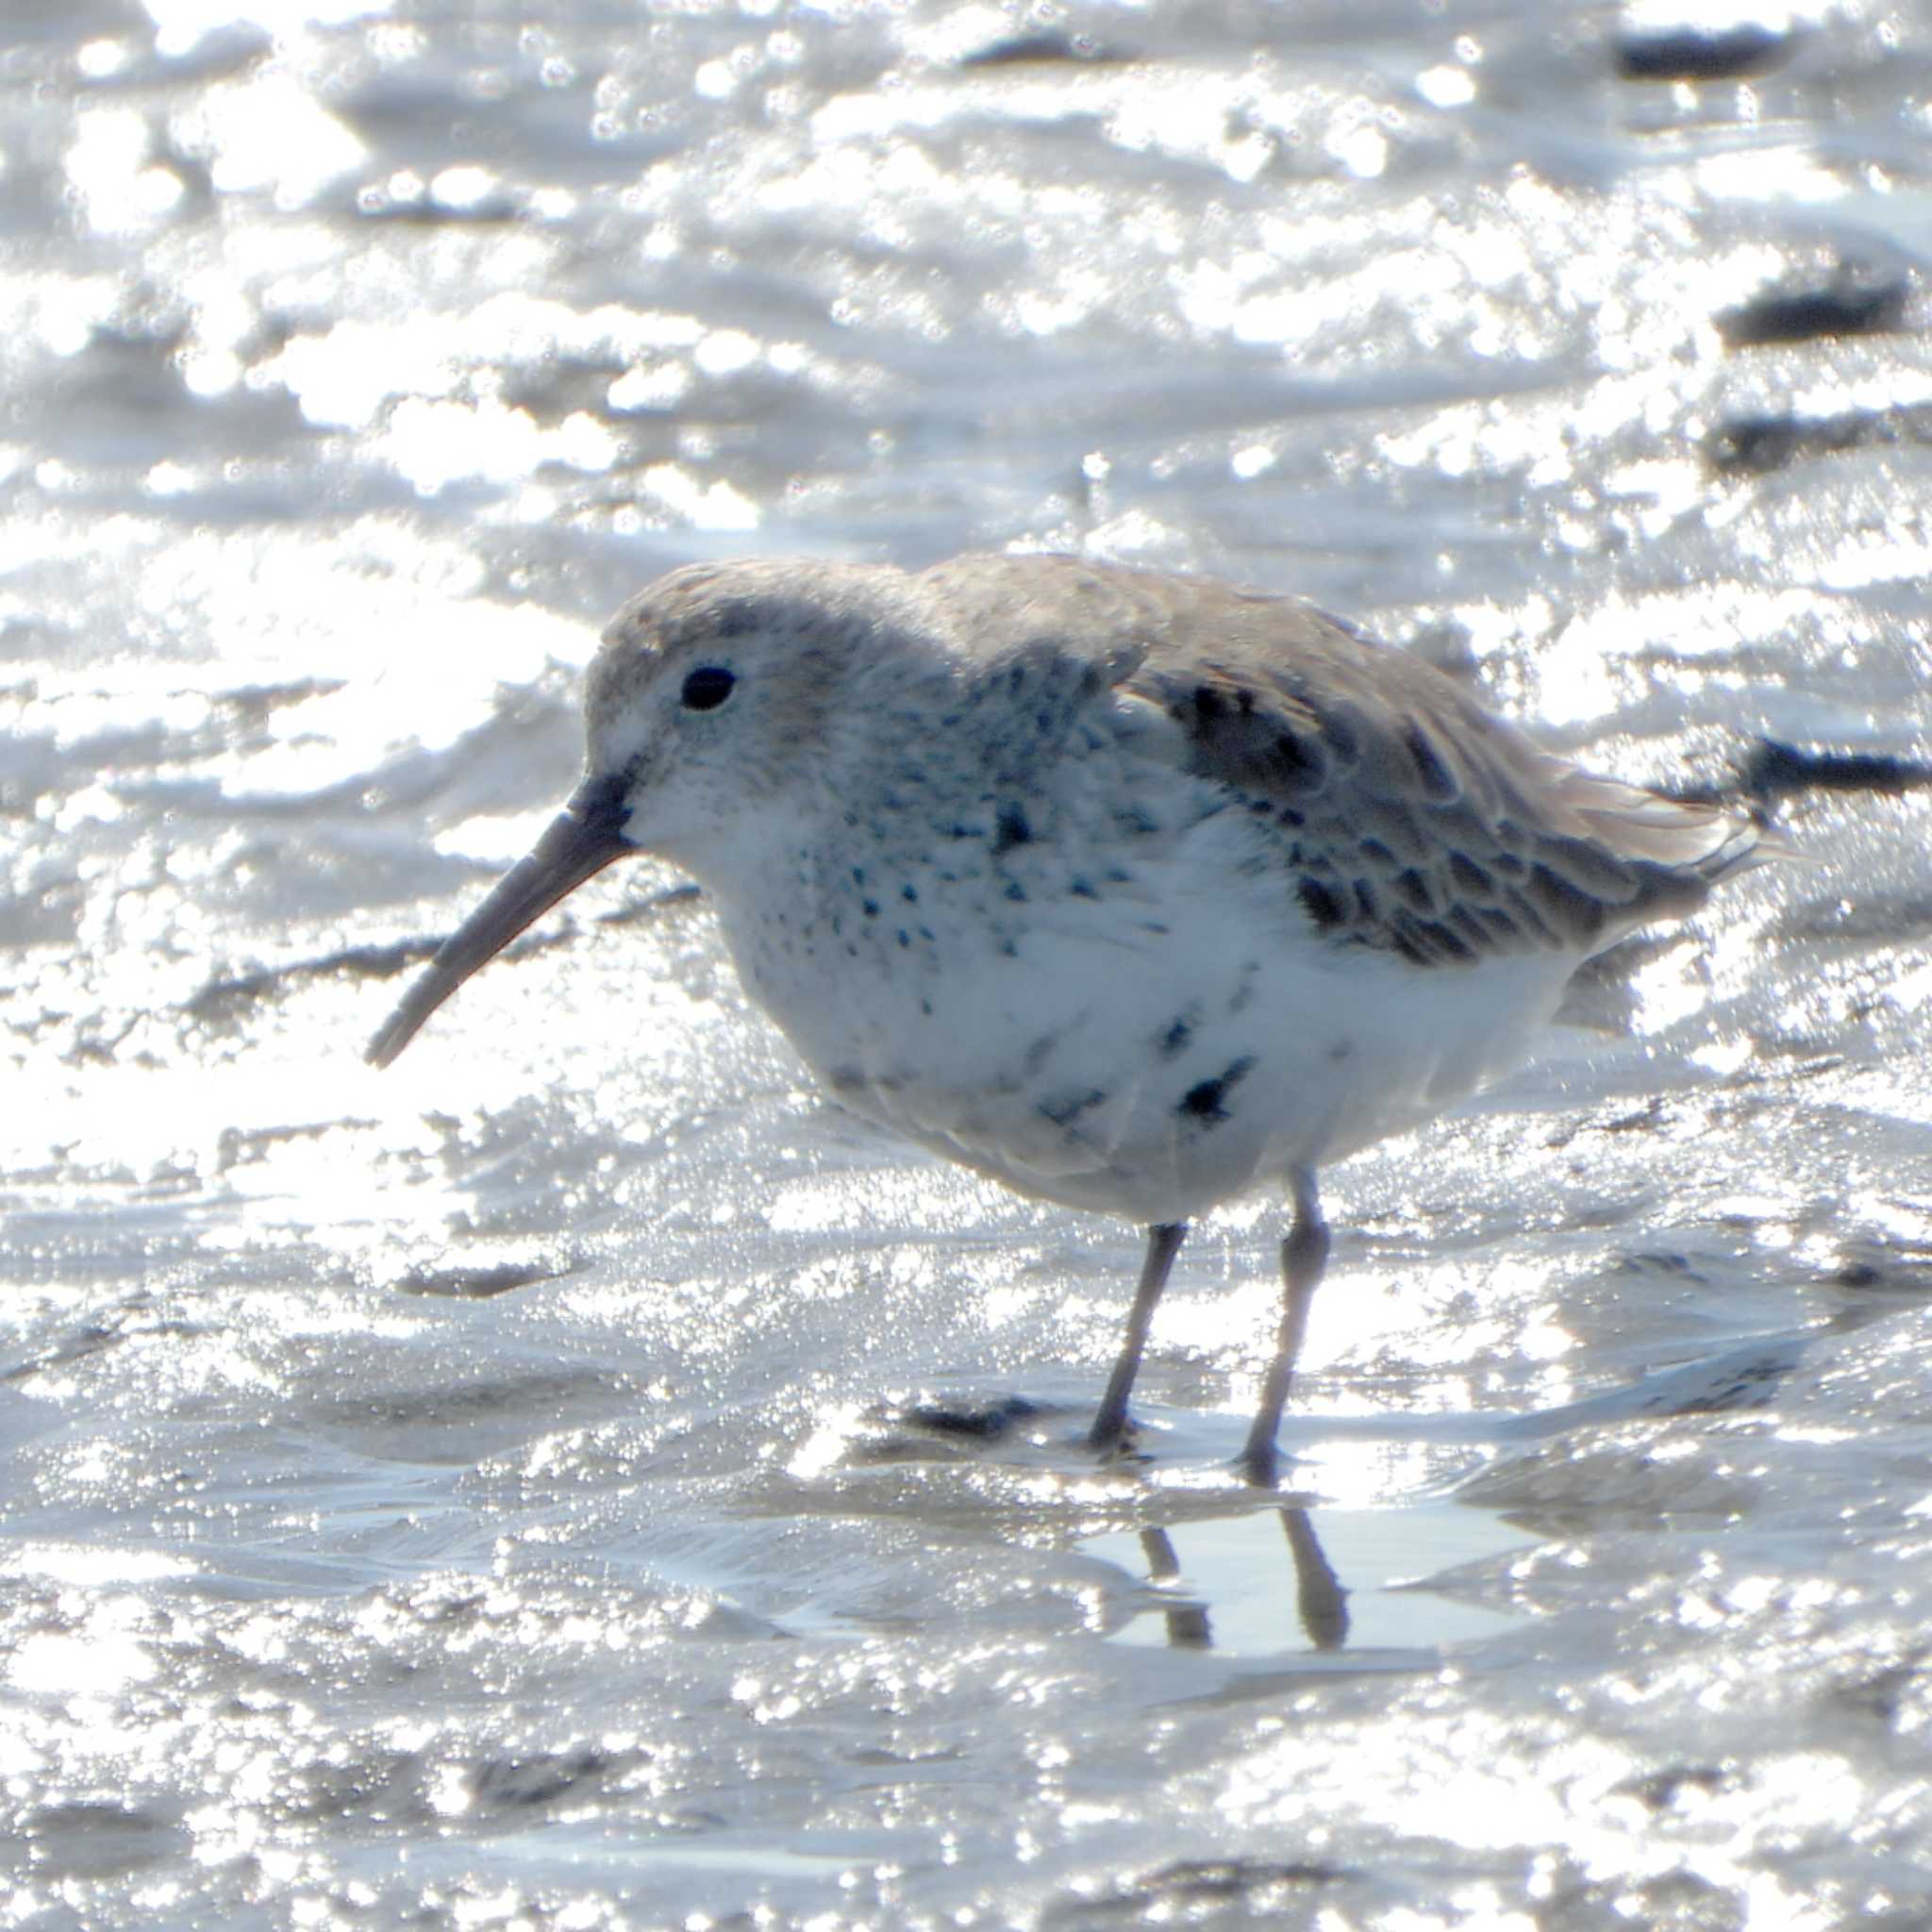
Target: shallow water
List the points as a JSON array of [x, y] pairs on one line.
[[484, 1493]]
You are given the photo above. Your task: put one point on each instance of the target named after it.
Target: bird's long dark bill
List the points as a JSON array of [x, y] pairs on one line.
[[581, 841]]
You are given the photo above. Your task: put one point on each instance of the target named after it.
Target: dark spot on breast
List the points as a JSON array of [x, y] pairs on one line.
[[1040, 1051], [1375, 852], [1083, 888], [1016, 891], [872, 908], [1438, 780], [1366, 901], [1063, 1110], [1341, 1050], [1207, 1102], [846, 1079], [1176, 1037], [1321, 903], [965, 831], [1011, 829], [1293, 819], [909, 895], [905, 938], [1468, 876]]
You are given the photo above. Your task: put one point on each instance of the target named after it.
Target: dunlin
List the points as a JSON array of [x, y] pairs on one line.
[[1134, 891]]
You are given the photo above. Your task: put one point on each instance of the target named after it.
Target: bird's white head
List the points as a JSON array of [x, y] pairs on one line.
[[719, 690], [711, 714]]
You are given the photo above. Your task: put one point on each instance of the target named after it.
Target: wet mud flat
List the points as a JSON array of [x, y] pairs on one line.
[[581, 1477]]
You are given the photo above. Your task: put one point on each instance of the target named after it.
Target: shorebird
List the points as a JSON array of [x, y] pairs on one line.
[[1135, 892]]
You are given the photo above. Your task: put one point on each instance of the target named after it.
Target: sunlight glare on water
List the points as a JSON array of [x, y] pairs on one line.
[[581, 1475]]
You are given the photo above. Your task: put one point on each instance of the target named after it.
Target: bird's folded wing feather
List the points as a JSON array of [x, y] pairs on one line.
[[1409, 818]]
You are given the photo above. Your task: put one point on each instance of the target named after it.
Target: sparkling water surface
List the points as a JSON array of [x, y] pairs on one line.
[[492, 1492]]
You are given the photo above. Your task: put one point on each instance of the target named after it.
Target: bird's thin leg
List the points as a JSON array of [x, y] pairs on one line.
[[1163, 1243], [1304, 1255]]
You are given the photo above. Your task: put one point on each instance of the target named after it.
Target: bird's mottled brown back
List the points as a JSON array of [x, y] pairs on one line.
[[1410, 818]]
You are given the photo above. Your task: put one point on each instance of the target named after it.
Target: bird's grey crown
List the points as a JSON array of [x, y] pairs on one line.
[[826, 610]]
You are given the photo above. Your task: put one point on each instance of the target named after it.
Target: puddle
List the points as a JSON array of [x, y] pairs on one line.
[[1269, 1582], [807, 1855]]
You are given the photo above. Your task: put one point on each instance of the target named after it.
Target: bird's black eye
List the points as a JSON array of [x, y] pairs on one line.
[[706, 688]]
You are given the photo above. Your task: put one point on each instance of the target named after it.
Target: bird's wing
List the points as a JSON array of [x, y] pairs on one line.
[[1406, 816], [1411, 819]]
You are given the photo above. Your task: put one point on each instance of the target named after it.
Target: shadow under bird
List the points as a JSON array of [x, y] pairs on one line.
[[1134, 891]]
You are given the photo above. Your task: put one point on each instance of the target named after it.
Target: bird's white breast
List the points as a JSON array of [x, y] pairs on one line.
[[1122, 1010]]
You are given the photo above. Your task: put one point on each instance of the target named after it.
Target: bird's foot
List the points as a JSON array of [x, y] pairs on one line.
[[1259, 1464], [1115, 1442]]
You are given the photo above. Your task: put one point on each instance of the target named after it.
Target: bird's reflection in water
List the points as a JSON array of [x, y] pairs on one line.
[[1188, 1627], [1319, 1597], [1321, 1602]]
